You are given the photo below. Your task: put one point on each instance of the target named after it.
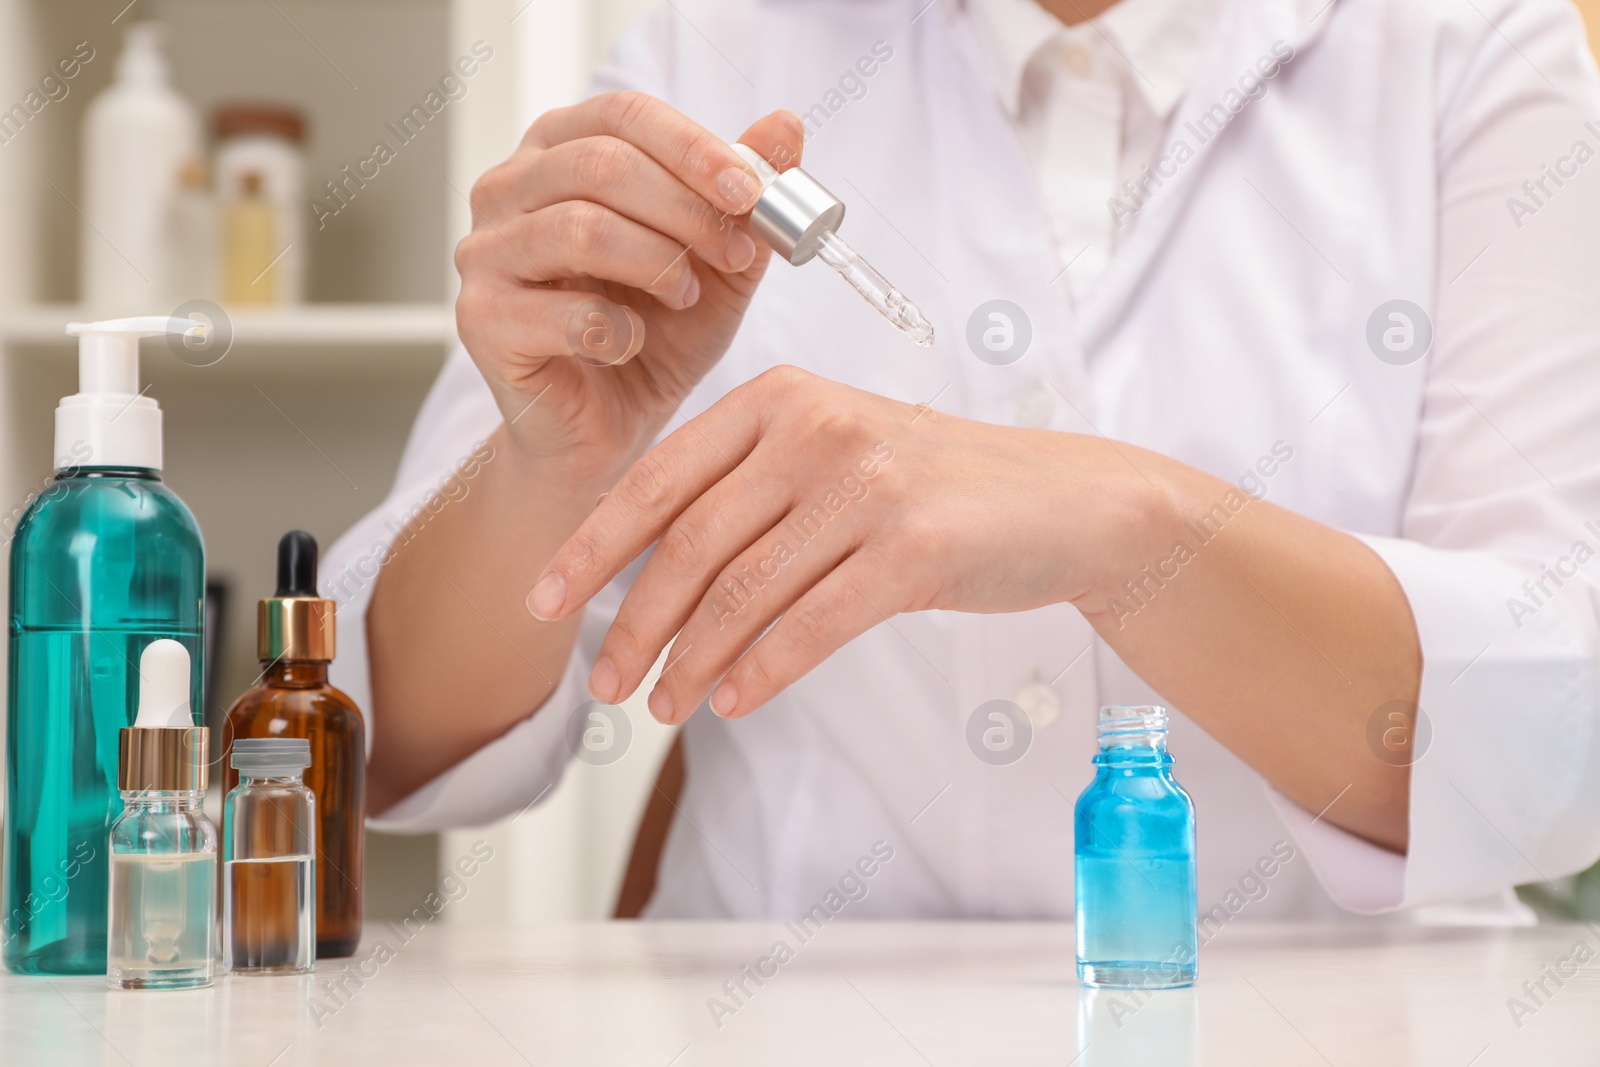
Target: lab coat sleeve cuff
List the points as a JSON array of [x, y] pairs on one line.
[[508, 774], [1358, 875], [505, 777], [1506, 771]]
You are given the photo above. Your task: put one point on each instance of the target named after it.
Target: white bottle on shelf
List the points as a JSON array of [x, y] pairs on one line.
[[137, 137]]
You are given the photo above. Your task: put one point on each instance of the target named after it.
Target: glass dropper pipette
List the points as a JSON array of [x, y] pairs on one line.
[[800, 220]]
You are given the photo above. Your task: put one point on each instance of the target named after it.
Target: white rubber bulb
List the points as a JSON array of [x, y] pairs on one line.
[[164, 685]]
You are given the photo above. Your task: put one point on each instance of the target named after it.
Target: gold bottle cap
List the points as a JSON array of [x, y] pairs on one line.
[[295, 630], [163, 758]]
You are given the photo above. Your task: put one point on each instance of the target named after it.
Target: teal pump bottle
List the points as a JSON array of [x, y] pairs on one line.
[[106, 560]]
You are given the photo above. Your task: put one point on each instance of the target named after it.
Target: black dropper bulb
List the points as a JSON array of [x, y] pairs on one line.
[[297, 565]]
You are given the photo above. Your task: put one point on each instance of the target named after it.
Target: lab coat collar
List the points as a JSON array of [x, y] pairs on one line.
[[1160, 40], [1163, 41], [1246, 32], [1012, 33]]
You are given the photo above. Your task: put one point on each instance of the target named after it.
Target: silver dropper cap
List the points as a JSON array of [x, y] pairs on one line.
[[794, 211]]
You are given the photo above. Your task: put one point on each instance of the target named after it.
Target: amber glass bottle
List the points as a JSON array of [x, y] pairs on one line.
[[295, 643]]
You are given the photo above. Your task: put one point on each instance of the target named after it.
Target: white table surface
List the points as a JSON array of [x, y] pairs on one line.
[[878, 993]]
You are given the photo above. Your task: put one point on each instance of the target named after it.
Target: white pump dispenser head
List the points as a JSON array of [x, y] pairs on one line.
[[142, 60], [163, 685], [108, 415]]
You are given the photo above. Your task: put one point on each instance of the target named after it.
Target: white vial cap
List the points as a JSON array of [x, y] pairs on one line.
[[271, 757]]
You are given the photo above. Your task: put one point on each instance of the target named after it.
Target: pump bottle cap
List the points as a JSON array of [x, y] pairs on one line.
[[295, 625], [108, 416], [163, 750], [794, 210], [142, 59]]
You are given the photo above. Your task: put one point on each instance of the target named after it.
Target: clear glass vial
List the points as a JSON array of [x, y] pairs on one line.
[[1135, 859], [269, 826], [162, 899]]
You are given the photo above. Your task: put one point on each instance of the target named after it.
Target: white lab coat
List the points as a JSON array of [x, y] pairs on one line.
[[1232, 325]]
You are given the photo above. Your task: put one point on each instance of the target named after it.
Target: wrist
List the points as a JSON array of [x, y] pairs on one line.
[[578, 473], [1139, 526]]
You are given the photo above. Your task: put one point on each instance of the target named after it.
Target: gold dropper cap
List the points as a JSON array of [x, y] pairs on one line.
[[163, 758], [295, 630], [294, 625], [163, 751]]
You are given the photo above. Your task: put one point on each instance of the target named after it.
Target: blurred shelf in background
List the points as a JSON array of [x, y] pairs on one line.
[[303, 422], [310, 344], [315, 326]]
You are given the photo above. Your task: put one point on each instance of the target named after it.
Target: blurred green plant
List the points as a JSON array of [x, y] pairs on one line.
[[1575, 898]]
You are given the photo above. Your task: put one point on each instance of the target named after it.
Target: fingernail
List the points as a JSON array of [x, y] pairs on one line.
[[739, 249], [725, 699], [544, 602], [604, 681], [689, 289], [738, 188], [660, 705]]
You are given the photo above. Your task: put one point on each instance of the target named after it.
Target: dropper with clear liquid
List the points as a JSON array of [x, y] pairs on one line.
[[875, 288], [800, 220]]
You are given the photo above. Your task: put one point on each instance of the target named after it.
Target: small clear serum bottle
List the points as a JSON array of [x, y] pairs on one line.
[[1135, 860], [800, 219], [163, 892], [269, 912]]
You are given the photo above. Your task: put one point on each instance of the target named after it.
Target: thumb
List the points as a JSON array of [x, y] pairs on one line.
[[778, 138]]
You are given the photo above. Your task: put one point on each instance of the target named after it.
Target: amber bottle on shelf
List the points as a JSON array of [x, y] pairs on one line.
[[250, 245], [295, 643]]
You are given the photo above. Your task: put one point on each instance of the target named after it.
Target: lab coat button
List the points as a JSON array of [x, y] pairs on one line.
[[1037, 408], [1079, 61], [1040, 702]]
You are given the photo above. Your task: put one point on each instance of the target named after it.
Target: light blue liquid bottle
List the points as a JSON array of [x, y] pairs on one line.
[[1135, 855], [106, 560]]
